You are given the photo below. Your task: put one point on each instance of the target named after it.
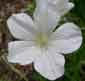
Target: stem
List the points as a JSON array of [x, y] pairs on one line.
[[14, 69], [83, 28]]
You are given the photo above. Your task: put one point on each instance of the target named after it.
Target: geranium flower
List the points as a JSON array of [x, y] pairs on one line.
[[38, 43]]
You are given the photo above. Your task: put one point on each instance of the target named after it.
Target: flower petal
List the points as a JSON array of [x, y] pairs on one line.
[[61, 7], [67, 38], [47, 22], [22, 52], [53, 20], [41, 7], [50, 65], [47, 19], [21, 26]]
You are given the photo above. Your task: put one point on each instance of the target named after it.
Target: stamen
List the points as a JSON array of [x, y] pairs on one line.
[[41, 39]]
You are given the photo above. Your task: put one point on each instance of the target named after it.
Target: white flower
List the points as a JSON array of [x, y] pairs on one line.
[[38, 44], [58, 7]]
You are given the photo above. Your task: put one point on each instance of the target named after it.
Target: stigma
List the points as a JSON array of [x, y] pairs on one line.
[[41, 40]]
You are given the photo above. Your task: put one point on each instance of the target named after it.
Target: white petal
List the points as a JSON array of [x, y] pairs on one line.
[[47, 22], [21, 26], [53, 20], [45, 17], [68, 38], [22, 52], [41, 7], [50, 65], [61, 7]]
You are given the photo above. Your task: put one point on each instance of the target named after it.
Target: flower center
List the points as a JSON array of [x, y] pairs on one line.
[[42, 39]]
